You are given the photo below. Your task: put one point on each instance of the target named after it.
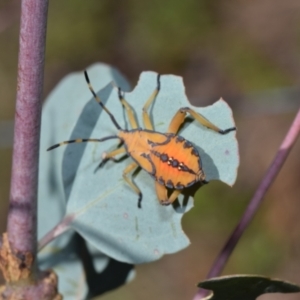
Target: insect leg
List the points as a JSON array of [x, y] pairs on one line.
[[181, 114], [146, 118], [127, 170], [83, 141], [111, 155], [100, 102], [129, 111], [162, 194]]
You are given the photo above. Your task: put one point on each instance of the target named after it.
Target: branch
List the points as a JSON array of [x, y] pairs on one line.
[[18, 246], [22, 215], [255, 202]]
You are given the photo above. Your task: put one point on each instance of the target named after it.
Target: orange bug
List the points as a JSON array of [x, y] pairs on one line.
[[171, 160]]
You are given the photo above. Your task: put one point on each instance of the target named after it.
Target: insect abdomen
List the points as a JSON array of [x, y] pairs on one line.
[[177, 163]]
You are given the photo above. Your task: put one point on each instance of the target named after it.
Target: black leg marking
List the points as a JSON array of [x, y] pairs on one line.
[[227, 130], [184, 109], [120, 93], [165, 202], [158, 82], [140, 200], [104, 161]]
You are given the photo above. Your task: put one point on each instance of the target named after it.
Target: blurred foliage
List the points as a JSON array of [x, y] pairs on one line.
[[166, 31], [258, 251], [249, 67], [81, 27]]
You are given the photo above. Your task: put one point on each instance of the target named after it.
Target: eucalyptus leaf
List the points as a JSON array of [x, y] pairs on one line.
[[59, 117], [103, 207], [246, 287]]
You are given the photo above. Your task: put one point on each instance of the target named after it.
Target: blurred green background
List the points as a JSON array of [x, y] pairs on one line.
[[248, 52]]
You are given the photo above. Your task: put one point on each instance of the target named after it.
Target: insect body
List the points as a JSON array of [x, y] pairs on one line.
[[170, 159]]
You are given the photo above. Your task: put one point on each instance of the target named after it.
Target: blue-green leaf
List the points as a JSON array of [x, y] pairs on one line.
[[103, 206], [60, 114]]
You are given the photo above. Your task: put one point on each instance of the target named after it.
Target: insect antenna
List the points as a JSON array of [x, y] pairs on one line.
[[100, 102], [83, 141]]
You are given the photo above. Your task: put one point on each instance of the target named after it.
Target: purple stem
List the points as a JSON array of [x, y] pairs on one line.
[[22, 216], [255, 202]]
